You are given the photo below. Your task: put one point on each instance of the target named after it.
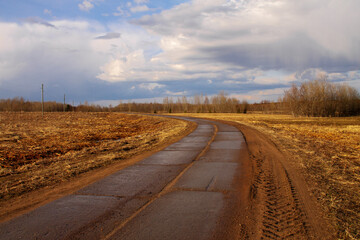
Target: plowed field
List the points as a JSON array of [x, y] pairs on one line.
[[36, 152]]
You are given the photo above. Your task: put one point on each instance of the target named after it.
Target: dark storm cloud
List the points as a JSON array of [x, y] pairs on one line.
[[295, 53], [270, 35], [239, 46]]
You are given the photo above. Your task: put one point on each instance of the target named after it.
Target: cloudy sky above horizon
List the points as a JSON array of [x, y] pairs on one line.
[[104, 50]]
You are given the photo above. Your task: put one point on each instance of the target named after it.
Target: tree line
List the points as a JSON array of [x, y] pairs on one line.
[[198, 104], [321, 98], [313, 98], [18, 104]]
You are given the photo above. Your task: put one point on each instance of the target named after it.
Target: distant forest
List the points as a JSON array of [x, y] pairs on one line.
[[313, 98]]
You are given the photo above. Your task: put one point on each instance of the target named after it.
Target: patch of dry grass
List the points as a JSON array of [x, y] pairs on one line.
[[328, 152], [37, 152]]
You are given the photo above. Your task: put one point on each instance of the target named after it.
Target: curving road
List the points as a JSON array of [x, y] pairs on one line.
[[184, 191]]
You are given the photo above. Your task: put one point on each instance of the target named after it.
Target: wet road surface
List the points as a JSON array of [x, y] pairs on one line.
[[177, 193]]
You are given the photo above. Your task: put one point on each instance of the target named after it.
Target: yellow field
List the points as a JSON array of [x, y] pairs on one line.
[[326, 150], [36, 152]]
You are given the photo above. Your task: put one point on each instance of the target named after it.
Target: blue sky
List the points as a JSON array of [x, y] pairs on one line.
[[106, 50], [100, 10]]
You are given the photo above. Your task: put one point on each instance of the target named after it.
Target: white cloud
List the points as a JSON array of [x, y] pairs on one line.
[[170, 93], [354, 75], [151, 86], [125, 68], [262, 34], [36, 52], [120, 12], [231, 82], [259, 95], [140, 8], [140, 1], [221, 44], [309, 74], [268, 80], [85, 6], [269, 94]]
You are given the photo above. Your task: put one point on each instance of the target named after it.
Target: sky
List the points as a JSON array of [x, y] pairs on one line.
[[102, 51]]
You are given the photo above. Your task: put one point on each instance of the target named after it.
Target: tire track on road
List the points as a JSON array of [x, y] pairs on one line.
[[282, 216], [280, 205]]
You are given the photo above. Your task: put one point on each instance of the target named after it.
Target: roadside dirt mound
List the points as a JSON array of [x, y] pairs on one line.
[[279, 205]]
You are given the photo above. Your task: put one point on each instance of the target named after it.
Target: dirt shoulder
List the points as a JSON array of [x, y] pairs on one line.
[[70, 172], [279, 204]]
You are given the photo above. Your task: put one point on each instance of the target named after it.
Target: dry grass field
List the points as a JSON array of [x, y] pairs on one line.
[[326, 151], [36, 152]]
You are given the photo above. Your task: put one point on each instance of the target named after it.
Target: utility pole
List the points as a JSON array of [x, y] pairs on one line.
[[42, 99], [64, 102]]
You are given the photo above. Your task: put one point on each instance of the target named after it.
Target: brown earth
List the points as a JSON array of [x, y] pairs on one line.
[[27, 138], [279, 205], [32, 182]]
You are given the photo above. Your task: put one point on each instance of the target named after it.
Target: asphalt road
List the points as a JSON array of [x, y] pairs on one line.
[[180, 192]]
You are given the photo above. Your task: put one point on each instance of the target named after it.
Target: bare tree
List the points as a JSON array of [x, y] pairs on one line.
[[322, 98]]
